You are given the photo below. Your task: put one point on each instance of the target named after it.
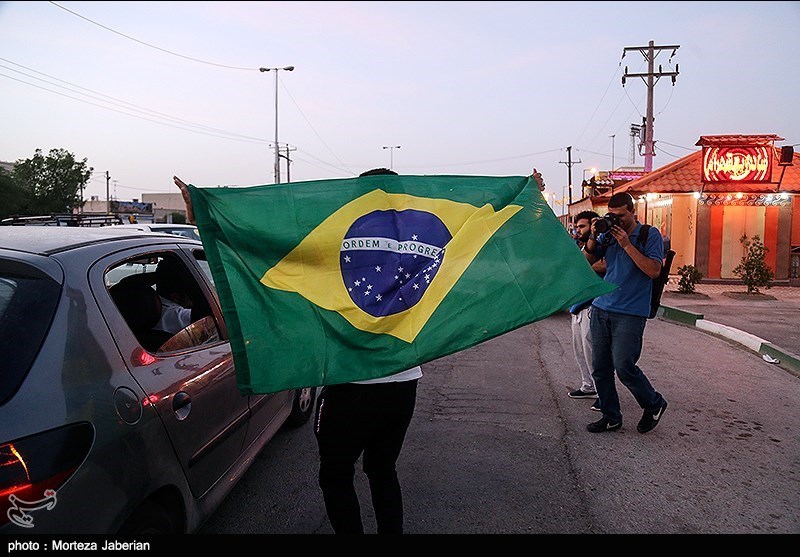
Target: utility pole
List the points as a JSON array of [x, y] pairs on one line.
[[650, 78], [569, 164], [288, 161], [108, 198], [277, 166]]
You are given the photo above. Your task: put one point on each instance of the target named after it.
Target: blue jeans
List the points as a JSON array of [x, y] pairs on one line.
[[617, 345]]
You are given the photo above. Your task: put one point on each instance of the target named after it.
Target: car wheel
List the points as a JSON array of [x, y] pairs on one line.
[[302, 406], [150, 518]]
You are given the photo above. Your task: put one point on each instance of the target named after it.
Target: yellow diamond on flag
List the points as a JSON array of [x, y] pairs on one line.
[[314, 268]]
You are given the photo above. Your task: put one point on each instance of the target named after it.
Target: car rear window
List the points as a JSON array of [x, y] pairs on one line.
[[28, 300]]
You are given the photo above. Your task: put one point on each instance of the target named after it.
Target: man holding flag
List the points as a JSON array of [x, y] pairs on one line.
[[334, 282], [368, 417]]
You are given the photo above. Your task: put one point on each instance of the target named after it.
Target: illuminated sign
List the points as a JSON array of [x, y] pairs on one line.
[[625, 175], [747, 200], [737, 164]]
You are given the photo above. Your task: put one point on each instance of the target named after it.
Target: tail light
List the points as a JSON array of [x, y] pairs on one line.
[[33, 468]]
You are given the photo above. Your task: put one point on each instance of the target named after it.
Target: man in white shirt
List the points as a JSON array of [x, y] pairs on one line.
[[174, 317]]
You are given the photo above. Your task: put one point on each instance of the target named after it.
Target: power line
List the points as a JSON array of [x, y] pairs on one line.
[[599, 102], [671, 92], [150, 45], [678, 146], [603, 127], [668, 153], [128, 113], [114, 101], [315, 131], [607, 120], [524, 155], [345, 170], [342, 167], [256, 140], [594, 153]]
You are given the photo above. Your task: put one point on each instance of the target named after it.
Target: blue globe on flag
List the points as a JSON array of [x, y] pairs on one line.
[[389, 259]]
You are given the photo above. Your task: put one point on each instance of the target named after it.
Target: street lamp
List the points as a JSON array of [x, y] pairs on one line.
[[593, 170], [277, 153], [391, 154]]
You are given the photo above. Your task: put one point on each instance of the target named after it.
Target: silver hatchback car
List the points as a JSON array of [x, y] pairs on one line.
[[112, 422]]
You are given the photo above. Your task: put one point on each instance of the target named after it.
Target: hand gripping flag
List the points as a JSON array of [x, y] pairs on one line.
[[332, 281]]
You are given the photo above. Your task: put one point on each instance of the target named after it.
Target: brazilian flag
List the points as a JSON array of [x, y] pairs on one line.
[[331, 281]]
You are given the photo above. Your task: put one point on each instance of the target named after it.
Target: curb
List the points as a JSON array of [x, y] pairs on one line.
[[787, 360], [680, 315]]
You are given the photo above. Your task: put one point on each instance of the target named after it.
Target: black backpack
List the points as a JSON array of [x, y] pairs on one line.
[[661, 281]]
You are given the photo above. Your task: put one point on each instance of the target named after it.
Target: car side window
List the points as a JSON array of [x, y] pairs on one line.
[[162, 303]]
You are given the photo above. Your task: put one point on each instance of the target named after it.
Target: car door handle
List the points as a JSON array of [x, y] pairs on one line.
[[181, 404]]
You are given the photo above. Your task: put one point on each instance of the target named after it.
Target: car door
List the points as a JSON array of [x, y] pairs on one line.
[[191, 383], [264, 409]]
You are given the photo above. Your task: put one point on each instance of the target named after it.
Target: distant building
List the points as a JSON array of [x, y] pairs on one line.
[[607, 181], [133, 211], [164, 204]]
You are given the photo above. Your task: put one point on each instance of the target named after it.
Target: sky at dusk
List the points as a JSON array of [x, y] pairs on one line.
[[148, 90]]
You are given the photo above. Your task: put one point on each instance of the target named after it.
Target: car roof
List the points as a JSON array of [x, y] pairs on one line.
[[46, 240]]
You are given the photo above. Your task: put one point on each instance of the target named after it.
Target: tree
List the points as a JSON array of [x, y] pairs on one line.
[[12, 197], [52, 183], [690, 276], [753, 269]]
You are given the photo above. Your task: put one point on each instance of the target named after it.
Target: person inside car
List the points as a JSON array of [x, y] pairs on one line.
[[151, 318]]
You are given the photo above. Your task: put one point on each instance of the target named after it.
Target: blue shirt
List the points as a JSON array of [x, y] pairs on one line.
[[635, 287]]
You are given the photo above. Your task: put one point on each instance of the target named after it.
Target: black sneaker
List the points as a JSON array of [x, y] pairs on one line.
[[579, 393], [650, 419], [603, 424], [595, 405]]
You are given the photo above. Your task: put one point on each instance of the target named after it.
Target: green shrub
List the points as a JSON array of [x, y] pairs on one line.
[[690, 276], [753, 269]]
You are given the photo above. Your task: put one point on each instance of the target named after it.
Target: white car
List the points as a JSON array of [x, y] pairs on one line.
[[185, 230]]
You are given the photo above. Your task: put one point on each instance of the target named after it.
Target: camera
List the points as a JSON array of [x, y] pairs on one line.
[[605, 224]]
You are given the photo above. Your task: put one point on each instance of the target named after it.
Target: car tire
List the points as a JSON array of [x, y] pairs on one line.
[[150, 518], [302, 406]]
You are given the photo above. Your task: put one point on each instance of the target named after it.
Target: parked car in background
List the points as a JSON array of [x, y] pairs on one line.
[[108, 426], [186, 230]]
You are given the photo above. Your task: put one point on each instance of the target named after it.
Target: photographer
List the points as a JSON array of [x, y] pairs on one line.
[[619, 317]]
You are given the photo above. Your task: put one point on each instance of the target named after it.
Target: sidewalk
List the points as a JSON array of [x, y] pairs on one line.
[[765, 323]]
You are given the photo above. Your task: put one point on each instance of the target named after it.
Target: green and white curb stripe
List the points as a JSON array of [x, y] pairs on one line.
[[788, 361]]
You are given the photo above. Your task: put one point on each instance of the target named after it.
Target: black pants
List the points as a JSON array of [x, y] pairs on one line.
[[372, 419]]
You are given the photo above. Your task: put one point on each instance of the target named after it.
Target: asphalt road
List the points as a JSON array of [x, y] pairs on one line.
[[496, 446]]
